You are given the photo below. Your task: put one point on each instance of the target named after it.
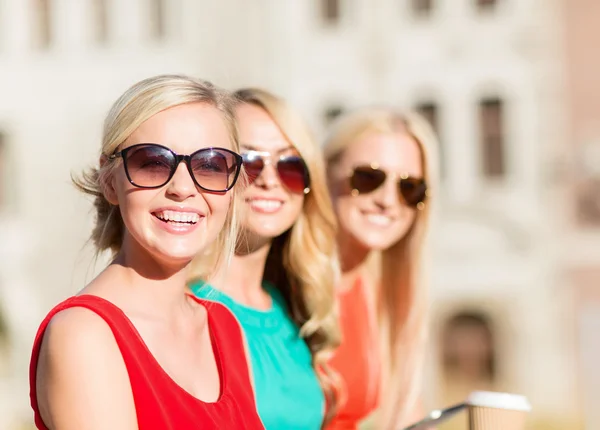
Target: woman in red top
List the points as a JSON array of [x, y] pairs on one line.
[[132, 349], [380, 167]]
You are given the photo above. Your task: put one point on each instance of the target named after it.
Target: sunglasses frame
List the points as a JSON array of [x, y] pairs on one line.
[[267, 159], [374, 166], [178, 159]]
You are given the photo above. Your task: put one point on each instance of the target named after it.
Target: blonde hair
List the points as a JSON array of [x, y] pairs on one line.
[[299, 263], [139, 103], [401, 295]]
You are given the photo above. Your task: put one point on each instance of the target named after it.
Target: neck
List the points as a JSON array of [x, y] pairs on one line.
[[152, 283], [242, 279], [353, 259]]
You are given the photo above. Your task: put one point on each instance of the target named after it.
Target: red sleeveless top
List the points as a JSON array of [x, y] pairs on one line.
[[356, 360], [159, 402]]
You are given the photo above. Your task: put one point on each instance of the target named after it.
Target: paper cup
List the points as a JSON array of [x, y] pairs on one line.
[[497, 411]]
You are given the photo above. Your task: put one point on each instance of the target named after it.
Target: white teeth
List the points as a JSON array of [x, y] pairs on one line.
[[380, 220], [266, 204], [173, 216]]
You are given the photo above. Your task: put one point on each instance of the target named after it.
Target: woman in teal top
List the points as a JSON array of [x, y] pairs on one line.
[[287, 390], [280, 282]]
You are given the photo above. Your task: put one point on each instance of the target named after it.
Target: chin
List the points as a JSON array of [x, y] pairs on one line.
[[176, 253], [374, 242], [271, 234], [176, 258], [268, 231]]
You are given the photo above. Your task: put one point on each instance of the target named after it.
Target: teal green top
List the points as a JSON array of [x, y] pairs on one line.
[[288, 394]]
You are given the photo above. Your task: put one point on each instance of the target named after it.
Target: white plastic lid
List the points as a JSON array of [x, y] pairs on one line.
[[489, 399]]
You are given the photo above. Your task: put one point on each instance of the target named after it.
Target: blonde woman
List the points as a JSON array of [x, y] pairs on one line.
[[281, 279], [132, 350], [380, 172]]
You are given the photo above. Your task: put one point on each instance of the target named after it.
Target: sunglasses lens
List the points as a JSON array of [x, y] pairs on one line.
[[149, 165], [293, 174], [413, 190], [366, 179], [253, 165], [215, 169]]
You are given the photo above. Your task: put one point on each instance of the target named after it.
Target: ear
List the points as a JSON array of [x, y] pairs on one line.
[[107, 182]]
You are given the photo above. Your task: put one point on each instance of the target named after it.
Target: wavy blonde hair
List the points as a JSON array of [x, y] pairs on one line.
[[139, 103], [401, 295], [299, 263]]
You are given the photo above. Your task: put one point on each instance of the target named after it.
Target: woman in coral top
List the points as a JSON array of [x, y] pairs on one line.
[[133, 350], [380, 167]]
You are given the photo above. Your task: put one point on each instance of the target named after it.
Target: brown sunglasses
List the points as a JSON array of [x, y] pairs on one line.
[[366, 179]]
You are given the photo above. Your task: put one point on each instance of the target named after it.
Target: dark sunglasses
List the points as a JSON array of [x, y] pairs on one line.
[[366, 179], [149, 165], [291, 169]]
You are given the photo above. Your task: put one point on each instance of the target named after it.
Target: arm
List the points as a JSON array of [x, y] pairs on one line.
[[82, 382]]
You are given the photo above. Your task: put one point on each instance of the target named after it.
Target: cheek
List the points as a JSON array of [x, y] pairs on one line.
[[218, 205], [404, 225], [134, 206], [296, 203], [344, 207], [133, 202]]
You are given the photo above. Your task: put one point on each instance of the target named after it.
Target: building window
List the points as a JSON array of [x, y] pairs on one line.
[[429, 110], [157, 19], [100, 18], [491, 135], [330, 11], [588, 202], [485, 4], [42, 23], [4, 347], [331, 113], [468, 355], [422, 8]]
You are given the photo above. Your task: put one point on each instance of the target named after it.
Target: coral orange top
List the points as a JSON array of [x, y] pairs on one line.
[[356, 360]]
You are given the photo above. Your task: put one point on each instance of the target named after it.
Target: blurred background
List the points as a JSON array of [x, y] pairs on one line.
[[511, 86]]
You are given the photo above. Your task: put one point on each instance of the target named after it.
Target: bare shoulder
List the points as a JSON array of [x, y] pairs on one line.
[[77, 324], [77, 335], [81, 375]]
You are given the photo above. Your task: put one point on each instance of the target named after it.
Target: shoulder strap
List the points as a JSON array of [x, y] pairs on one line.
[[229, 342]]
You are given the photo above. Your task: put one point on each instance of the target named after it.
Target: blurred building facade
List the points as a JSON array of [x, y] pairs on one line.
[[581, 250], [507, 84]]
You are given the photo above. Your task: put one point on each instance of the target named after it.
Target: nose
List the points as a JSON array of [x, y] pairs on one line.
[[387, 195], [181, 186], [268, 178]]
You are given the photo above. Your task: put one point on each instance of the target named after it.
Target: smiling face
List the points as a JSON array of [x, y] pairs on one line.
[[377, 219], [177, 221], [271, 207]]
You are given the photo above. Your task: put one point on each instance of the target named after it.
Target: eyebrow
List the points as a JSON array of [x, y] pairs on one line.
[[251, 147]]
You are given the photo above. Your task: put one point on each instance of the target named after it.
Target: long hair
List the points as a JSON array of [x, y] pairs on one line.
[[139, 103], [401, 295], [299, 263]]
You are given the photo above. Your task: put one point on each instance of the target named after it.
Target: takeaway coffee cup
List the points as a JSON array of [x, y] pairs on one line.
[[497, 411]]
